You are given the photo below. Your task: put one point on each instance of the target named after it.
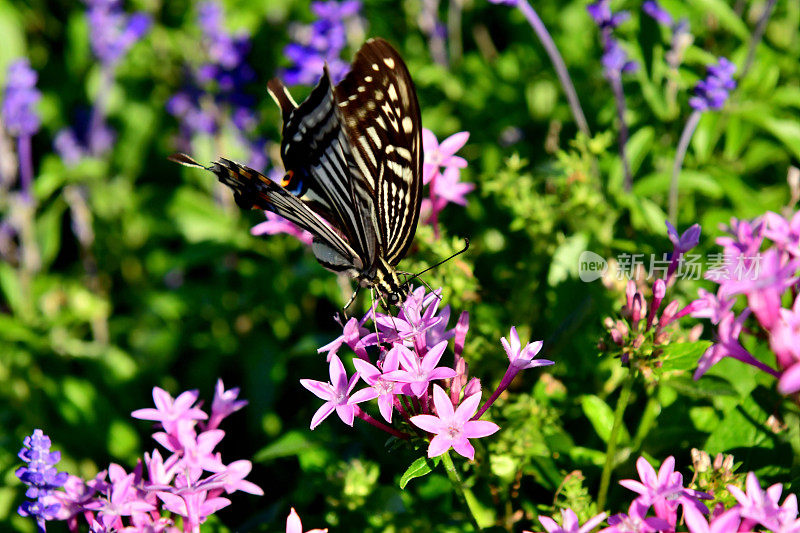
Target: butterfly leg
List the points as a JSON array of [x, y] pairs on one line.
[[352, 299]]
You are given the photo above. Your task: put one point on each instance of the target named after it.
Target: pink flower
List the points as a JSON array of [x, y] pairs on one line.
[[710, 306], [294, 525], [635, 521], [225, 402], [336, 394], [519, 357], [570, 523], [728, 345], [664, 491], [352, 335], [790, 380], [727, 522], [785, 234], [418, 373], [441, 155], [784, 338], [449, 189], [277, 224], [380, 387], [761, 506], [170, 412], [453, 429]]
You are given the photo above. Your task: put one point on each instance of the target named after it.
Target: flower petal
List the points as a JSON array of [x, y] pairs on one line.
[[444, 407], [321, 414], [463, 447], [439, 444], [475, 429], [429, 423], [453, 144]]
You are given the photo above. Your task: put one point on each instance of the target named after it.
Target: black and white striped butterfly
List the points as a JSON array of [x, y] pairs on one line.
[[352, 155]]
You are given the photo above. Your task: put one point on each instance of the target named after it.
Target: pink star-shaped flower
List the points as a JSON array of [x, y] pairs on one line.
[[419, 373], [294, 525], [441, 155], [336, 394], [453, 428], [380, 386], [570, 523]]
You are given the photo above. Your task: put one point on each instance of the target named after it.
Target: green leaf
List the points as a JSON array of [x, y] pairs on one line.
[[565, 259], [684, 356], [288, 445], [639, 145], [601, 416], [689, 181], [785, 130], [419, 468], [727, 17]]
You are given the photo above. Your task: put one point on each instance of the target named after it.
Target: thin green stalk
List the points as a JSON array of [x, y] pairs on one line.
[[611, 451], [458, 485], [650, 414], [680, 153]]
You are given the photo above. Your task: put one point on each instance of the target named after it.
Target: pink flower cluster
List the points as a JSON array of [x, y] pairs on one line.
[[190, 483], [640, 318], [400, 365], [664, 493], [762, 258]]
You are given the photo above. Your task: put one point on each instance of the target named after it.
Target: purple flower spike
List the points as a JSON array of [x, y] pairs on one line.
[[658, 13], [113, 32], [712, 92], [19, 116], [453, 428], [615, 60], [600, 11], [336, 394], [419, 373], [42, 478]]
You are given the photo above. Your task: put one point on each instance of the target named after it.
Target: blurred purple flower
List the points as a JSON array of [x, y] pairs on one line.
[[615, 60], [21, 95], [320, 42], [112, 32], [636, 520], [727, 522], [712, 92], [761, 506], [658, 13], [600, 12]]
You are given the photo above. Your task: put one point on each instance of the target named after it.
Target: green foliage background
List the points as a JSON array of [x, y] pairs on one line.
[[174, 292]]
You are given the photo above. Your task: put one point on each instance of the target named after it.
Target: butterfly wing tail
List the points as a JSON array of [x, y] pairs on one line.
[[282, 97]]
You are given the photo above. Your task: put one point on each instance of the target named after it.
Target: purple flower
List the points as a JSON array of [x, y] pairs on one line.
[[321, 42], [600, 12], [41, 476], [784, 233], [687, 240], [336, 394], [615, 60], [453, 428], [711, 306], [570, 523], [520, 357], [418, 373], [112, 32], [712, 92], [171, 413], [652, 8], [352, 334], [20, 98]]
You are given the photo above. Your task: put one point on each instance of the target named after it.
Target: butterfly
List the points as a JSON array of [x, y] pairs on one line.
[[353, 155]]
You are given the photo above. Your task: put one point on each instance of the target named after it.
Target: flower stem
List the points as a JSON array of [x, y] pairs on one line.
[[611, 451], [25, 155], [558, 63], [619, 99], [755, 39], [504, 383], [380, 425], [463, 492], [683, 145]]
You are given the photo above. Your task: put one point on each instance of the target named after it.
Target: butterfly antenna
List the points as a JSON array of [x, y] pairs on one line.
[[418, 274], [185, 160]]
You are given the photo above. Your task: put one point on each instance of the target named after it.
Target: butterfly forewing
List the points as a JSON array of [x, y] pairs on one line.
[[381, 115], [316, 147]]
